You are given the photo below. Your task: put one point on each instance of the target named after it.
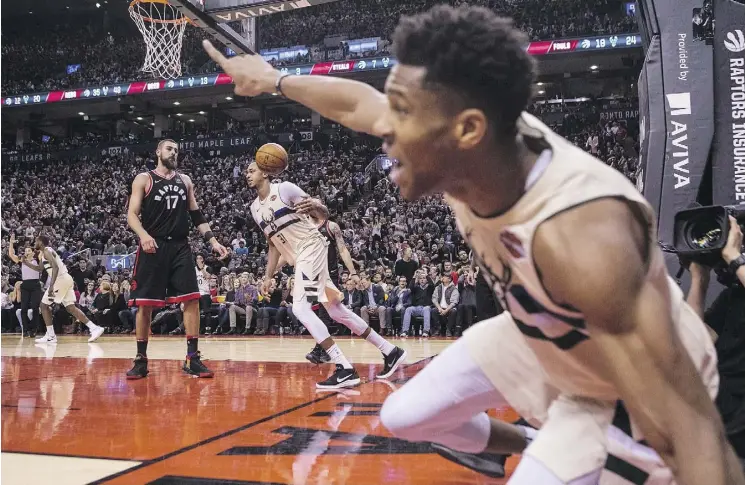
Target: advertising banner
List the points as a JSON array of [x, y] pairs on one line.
[[728, 154], [686, 34], [652, 131]]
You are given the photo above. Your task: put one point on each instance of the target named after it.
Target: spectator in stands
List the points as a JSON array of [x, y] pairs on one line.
[[223, 315], [119, 305], [399, 299], [285, 318], [241, 250], [81, 273], [352, 296], [271, 301], [421, 302], [445, 299], [246, 297], [103, 307], [85, 301], [405, 266], [6, 303], [447, 268], [373, 301], [467, 303]]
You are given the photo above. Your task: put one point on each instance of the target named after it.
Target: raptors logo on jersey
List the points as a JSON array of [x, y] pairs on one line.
[[165, 211]]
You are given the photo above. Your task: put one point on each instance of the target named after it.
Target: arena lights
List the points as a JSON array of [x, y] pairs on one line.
[[191, 120], [229, 98], [202, 112], [139, 118], [593, 67], [81, 113], [179, 114], [176, 103]]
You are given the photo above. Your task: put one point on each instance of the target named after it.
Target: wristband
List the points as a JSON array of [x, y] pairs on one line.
[[278, 84], [208, 235], [735, 264]]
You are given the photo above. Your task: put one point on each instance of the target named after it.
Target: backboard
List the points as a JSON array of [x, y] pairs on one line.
[[232, 22]]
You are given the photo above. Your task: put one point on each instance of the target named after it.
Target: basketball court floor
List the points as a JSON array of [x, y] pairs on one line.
[[69, 416]]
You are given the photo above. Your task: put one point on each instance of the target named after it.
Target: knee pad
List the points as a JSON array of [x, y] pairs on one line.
[[303, 310], [346, 317]]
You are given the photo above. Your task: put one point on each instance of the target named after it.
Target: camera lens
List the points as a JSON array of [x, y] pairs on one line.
[[704, 233]]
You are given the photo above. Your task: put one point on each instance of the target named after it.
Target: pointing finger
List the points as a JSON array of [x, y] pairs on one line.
[[215, 54]]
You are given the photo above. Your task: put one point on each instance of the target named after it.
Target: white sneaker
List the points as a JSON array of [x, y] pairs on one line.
[[47, 339], [96, 332]]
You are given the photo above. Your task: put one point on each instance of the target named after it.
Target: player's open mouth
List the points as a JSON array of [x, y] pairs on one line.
[[395, 173]]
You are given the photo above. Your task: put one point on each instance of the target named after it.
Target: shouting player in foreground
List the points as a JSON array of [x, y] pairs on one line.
[[280, 212], [567, 243], [160, 207]]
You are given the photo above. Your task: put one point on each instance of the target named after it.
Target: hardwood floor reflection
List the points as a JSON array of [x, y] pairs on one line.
[[257, 421]]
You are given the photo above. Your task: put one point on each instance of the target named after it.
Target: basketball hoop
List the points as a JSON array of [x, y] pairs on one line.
[[162, 27]]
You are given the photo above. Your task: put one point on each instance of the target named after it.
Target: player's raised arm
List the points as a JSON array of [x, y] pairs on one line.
[[11, 249], [596, 258], [139, 186], [201, 223], [353, 104]]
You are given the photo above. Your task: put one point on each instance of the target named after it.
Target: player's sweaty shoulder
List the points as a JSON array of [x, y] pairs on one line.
[[597, 240], [140, 183]]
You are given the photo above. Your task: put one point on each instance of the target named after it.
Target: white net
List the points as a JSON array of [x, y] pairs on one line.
[[162, 27]]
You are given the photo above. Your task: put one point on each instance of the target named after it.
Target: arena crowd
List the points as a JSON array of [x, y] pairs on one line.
[[109, 49], [409, 253]]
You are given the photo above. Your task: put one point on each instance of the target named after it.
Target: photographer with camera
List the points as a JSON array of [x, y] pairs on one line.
[[726, 321]]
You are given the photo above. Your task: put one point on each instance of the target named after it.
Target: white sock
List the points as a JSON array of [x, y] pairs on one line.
[[90, 325], [50, 331], [337, 357], [382, 344]]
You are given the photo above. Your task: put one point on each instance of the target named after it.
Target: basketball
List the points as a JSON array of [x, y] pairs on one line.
[[272, 159]]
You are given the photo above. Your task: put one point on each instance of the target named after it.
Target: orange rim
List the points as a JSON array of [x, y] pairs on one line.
[[182, 20]]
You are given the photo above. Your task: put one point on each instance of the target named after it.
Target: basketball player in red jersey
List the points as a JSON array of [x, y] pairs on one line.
[[160, 207], [568, 245]]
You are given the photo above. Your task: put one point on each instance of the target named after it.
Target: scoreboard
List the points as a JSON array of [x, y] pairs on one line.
[[538, 48]]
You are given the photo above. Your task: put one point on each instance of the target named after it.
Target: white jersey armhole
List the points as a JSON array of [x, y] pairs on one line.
[[290, 193]]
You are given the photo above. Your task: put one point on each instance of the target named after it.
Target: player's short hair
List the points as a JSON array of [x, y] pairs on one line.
[[44, 239], [473, 53], [160, 143]]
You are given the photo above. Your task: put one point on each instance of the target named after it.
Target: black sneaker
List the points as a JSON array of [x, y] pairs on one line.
[[318, 355], [139, 370], [489, 464], [193, 366], [392, 361], [340, 378]]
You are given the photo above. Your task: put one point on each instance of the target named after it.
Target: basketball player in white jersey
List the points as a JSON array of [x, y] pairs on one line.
[[203, 281], [61, 290], [569, 247], [295, 237]]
